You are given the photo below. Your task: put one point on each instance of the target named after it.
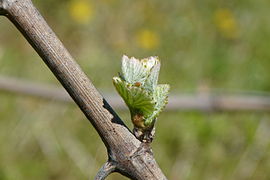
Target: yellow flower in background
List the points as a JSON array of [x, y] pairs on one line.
[[81, 11], [147, 39], [226, 23], [108, 1]]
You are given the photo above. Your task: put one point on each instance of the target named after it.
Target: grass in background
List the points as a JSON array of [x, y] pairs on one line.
[[217, 44], [47, 140]]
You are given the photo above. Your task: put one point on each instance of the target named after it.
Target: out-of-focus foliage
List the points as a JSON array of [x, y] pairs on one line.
[[219, 44]]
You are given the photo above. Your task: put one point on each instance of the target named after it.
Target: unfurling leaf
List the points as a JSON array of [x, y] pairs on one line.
[[139, 88]]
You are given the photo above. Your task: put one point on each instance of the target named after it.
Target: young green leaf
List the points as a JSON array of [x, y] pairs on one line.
[[138, 86], [137, 99]]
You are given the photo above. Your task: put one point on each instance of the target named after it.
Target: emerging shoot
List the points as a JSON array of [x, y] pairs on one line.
[[138, 85]]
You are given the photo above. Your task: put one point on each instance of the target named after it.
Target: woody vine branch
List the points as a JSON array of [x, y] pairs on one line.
[[130, 156]]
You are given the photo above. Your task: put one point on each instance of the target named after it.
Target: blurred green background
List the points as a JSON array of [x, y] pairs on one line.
[[218, 44]]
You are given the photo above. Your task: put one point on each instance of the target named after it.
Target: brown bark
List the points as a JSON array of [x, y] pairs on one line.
[[129, 156]]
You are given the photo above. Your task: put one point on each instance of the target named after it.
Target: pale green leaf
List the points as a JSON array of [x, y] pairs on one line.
[[152, 80], [161, 96], [137, 99], [161, 99], [133, 70]]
